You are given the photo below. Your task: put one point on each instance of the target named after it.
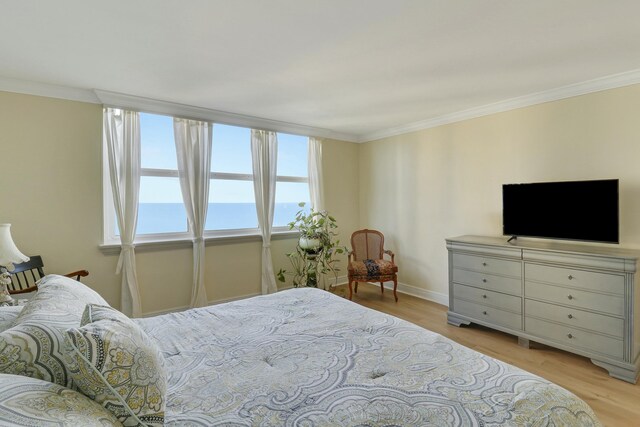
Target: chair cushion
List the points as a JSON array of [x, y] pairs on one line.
[[115, 363], [372, 269], [30, 402], [33, 345]]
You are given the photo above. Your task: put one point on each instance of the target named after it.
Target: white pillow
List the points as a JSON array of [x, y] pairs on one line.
[[33, 345], [31, 402]]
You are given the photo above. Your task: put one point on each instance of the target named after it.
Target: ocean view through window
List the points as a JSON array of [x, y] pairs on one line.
[[231, 206], [163, 217]]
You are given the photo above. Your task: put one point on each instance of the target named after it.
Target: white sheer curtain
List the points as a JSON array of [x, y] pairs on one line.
[[193, 147], [122, 136], [264, 153], [314, 158]]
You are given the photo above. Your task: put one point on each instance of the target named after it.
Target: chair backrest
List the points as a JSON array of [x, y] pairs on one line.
[[367, 244], [25, 275]]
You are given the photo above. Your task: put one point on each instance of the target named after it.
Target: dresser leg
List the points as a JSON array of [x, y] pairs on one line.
[[454, 320], [629, 375], [523, 342]]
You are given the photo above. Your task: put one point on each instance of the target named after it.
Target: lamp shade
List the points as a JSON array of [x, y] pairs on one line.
[[9, 253]]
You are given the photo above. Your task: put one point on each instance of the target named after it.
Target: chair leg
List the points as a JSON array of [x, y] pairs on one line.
[[356, 291], [382, 287], [350, 290], [395, 287]]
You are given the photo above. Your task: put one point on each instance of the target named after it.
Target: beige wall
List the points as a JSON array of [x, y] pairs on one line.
[[51, 193], [418, 188], [422, 187]]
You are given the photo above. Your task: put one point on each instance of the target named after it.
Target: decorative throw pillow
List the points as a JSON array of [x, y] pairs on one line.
[[95, 313], [33, 345], [115, 363], [31, 402]]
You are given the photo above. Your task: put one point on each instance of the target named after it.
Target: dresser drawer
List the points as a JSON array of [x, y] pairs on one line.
[[573, 317], [487, 314], [509, 285], [575, 337], [484, 297], [587, 280], [487, 265], [611, 304], [582, 298]]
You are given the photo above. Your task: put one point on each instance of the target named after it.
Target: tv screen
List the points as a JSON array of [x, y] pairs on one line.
[[571, 210]]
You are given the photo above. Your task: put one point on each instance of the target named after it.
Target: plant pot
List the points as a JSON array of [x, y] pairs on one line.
[[309, 244]]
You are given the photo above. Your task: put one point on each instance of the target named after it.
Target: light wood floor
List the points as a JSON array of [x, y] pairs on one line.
[[617, 403]]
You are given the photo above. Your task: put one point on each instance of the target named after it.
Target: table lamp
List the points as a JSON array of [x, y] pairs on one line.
[[9, 254]]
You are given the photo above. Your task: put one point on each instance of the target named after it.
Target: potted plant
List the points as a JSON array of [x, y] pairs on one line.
[[315, 252]]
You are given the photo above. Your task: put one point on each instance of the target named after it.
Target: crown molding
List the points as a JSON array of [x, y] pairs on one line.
[[113, 99], [596, 85], [48, 90], [119, 100]]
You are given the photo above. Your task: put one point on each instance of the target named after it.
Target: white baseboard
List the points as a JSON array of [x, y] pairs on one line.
[[167, 311], [186, 307], [414, 291], [224, 300], [428, 295], [340, 280], [403, 288]]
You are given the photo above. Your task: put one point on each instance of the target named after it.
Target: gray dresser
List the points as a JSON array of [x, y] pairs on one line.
[[579, 298]]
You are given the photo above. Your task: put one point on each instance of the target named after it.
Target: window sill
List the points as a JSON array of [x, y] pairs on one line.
[[181, 243]]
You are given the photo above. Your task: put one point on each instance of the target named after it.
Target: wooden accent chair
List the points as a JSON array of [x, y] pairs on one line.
[[366, 263], [25, 276]]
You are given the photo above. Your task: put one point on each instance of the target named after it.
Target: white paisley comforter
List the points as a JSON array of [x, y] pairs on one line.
[[305, 357]]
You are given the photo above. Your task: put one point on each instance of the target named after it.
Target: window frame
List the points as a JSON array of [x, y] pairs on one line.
[[110, 238]]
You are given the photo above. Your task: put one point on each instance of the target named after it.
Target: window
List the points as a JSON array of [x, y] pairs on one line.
[[292, 184], [231, 199], [232, 209], [232, 205], [160, 208]]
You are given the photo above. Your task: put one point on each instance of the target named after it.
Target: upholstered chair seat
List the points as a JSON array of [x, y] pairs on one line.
[[370, 269]]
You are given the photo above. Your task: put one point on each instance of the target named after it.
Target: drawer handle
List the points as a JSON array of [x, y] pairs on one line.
[[484, 312], [570, 316], [484, 264], [484, 280], [484, 296], [570, 296], [569, 336], [570, 277]]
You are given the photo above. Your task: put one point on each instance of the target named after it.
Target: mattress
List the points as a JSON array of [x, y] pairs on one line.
[[305, 357]]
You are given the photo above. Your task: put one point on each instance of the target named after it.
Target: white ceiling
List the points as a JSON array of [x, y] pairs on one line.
[[357, 67]]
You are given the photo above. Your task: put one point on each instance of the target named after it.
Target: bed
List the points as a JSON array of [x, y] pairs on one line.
[[305, 357]]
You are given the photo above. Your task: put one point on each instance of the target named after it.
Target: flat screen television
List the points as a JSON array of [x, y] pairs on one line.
[[569, 210]]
